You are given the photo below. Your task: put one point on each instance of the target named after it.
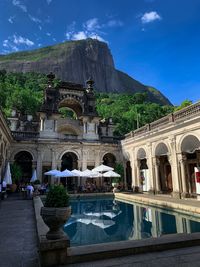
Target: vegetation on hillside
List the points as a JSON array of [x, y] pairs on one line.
[[24, 92]]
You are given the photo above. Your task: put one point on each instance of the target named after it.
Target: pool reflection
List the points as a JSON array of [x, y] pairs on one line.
[[106, 220]]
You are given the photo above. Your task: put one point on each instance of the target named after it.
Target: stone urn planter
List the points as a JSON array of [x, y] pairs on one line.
[[55, 218], [56, 211]]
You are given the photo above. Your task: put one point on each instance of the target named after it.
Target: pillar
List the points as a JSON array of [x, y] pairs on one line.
[[150, 168], [40, 154], [156, 164], [53, 163], [182, 163], [179, 224], [137, 175]]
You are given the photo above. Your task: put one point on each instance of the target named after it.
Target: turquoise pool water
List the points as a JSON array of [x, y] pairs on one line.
[[105, 220]]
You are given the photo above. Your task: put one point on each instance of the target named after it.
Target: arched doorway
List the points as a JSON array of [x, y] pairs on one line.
[[190, 148], [144, 181], [70, 162], [165, 175], [24, 160], [109, 160]]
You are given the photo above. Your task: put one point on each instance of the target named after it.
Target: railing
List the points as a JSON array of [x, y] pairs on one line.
[[24, 135], [192, 110], [178, 116]]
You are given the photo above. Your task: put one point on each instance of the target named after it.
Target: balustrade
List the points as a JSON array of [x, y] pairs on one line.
[[183, 114]]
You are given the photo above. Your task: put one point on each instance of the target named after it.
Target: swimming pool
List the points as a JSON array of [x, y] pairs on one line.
[[97, 221]]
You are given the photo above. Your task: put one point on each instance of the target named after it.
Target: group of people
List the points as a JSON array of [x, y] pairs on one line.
[[91, 187], [29, 189]]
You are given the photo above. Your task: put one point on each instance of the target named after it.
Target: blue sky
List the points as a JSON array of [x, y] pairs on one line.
[[156, 42]]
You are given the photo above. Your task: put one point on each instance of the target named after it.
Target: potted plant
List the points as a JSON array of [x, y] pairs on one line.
[[56, 211], [16, 173]]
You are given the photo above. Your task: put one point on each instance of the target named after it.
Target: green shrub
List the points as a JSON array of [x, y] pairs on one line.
[[36, 182], [16, 172], [57, 197]]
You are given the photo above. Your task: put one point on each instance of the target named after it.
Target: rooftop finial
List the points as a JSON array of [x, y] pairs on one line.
[[90, 84]]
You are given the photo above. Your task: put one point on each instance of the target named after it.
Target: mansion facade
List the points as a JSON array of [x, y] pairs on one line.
[[52, 141], [160, 157]]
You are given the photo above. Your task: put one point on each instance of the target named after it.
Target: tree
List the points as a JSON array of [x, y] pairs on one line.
[[184, 104]]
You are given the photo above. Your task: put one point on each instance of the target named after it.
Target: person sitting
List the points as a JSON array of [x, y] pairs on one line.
[[30, 191]]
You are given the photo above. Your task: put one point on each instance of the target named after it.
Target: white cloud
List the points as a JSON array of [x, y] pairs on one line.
[[48, 33], [49, 2], [114, 23], [97, 37], [34, 19], [90, 29], [13, 42], [5, 43], [84, 35], [19, 5], [22, 40], [79, 36], [150, 17], [92, 24], [11, 19], [40, 27]]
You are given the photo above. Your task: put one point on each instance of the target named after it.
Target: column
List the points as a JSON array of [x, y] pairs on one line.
[[53, 164], [182, 162], [137, 176], [174, 169], [40, 154], [84, 159], [150, 168], [156, 163], [179, 224]]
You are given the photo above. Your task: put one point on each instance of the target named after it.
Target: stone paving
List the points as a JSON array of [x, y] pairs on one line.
[[18, 240]]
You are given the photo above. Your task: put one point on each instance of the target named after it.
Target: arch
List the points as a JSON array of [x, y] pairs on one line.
[[69, 161], [68, 151], [190, 144], [24, 160], [72, 102], [109, 159], [141, 154], [161, 150], [34, 156], [69, 129]]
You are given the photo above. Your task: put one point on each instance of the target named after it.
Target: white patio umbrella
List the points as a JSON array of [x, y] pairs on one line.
[[111, 174], [90, 174], [77, 172], [102, 168], [65, 173], [52, 172], [34, 176], [7, 177]]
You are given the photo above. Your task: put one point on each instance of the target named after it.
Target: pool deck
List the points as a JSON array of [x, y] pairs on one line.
[[187, 206]]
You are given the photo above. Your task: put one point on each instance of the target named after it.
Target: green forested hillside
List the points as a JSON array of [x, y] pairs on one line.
[[25, 93]]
